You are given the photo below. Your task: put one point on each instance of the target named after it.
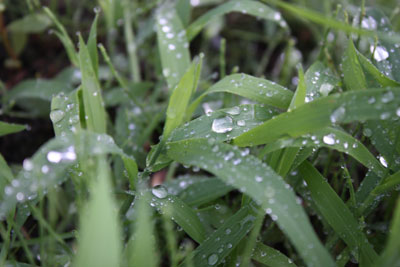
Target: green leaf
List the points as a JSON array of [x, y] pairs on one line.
[[271, 257], [180, 98], [6, 175], [336, 213], [37, 89], [390, 256], [373, 73], [320, 81], [9, 128], [92, 46], [65, 113], [204, 191], [219, 244], [141, 248], [95, 114], [250, 87], [260, 182], [172, 45], [253, 8], [31, 23], [100, 233], [318, 114], [354, 77], [334, 139], [181, 213], [64, 37], [50, 164]]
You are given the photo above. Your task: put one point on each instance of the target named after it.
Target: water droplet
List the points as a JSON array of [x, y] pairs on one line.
[[54, 156], [27, 165], [97, 9], [367, 132], [222, 125], [329, 139], [159, 191], [233, 111], [241, 123], [380, 52], [56, 115], [338, 114], [171, 47], [387, 97], [45, 169], [325, 89], [385, 116], [212, 259], [258, 179], [166, 29], [20, 196], [277, 16], [383, 161], [228, 231], [398, 112]]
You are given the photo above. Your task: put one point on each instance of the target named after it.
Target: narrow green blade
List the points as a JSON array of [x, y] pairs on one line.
[[9, 128], [260, 182]]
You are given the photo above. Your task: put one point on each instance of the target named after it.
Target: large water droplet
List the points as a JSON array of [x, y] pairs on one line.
[[212, 259], [380, 53], [383, 161], [233, 111], [325, 89], [222, 125], [338, 114], [56, 115], [54, 156], [387, 97], [159, 191], [329, 139]]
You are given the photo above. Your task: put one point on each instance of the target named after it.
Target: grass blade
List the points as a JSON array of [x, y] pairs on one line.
[[336, 213], [47, 168], [261, 183], [65, 113], [180, 98], [354, 77], [142, 246], [9, 128], [95, 114], [312, 116], [181, 213], [250, 87], [390, 256], [172, 45], [253, 8], [224, 239], [334, 139], [64, 38], [100, 240], [92, 46], [271, 257]]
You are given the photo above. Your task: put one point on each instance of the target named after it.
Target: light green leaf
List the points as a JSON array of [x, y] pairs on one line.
[[48, 167], [9, 128], [65, 113], [318, 114], [141, 248], [92, 46], [95, 114], [250, 87], [260, 182], [31, 23], [253, 8], [320, 81], [100, 242], [64, 37], [180, 98], [172, 45], [354, 77]]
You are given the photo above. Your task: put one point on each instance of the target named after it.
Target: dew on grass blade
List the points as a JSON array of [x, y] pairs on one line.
[[56, 115], [212, 259], [222, 125], [159, 191], [338, 115]]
